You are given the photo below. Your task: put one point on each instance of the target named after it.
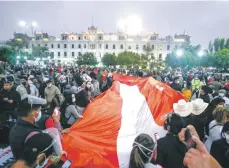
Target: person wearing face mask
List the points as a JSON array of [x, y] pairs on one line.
[[53, 94], [90, 90], [29, 113], [222, 94], [9, 98], [36, 153], [176, 84], [220, 148], [25, 88], [196, 85], [143, 151], [69, 112]]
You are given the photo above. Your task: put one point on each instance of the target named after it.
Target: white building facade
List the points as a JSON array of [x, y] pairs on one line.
[[68, 46]]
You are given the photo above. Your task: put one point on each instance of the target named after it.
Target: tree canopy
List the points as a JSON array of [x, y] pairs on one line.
[[109, 60], [87, 59]]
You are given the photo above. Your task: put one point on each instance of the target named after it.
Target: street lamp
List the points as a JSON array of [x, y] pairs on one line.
[[18, 57], [200, 53], [25, 58], [32, 25], [179, 53]]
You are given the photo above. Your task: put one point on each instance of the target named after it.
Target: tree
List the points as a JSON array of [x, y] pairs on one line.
[[8, 54], [128, 58], [216, 44], [222, 58], [222, 43], [40, 52], [210, 47], [227, 44], [87, 59], [17, 44], [109, 60]]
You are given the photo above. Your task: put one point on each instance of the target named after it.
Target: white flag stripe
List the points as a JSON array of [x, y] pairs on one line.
[[136, 119]]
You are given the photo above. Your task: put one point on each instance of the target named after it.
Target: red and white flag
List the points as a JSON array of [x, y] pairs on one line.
[[105, 135]]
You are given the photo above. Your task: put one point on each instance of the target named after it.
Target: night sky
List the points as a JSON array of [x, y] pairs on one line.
[[204, 21]]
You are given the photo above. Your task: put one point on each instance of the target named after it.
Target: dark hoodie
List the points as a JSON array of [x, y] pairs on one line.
[[170, 152]]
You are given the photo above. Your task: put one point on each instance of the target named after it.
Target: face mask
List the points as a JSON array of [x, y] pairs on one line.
[[221, 95], [88, 86], [227, 137], [177, 81], [149, 150], [49, 85], [43, 164], [73, 99], [38, 117]]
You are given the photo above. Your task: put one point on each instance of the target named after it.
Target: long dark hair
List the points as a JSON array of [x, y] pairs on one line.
[[138, 159]]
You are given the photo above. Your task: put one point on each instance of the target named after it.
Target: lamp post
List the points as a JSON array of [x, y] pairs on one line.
[[200, 54], [179, 53], [32, 26]]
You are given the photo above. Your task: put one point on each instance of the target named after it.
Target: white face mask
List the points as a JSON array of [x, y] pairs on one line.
[[38, 117], [43, 164], [49, 85], [88, 85], [227, 137], [73, 98], [221, 94]]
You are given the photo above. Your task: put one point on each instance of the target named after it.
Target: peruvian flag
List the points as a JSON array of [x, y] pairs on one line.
[[105, 136]]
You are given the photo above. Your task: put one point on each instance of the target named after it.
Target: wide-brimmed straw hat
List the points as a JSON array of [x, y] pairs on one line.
[[183, 108], [199, 106]]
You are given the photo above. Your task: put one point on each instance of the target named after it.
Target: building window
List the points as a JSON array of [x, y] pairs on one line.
[[46, 45], [65, 45], [73, 54], [85, 46], [65, 54], [79, 53], [73, 46], [136, 47], [38, 45], [121, 38], [129, 47], [144, 47], [72, 38], [85, 37], [160, 56], [52, 46], [79, 46], [58, 54], [100, 46], [78, 38], [113, 46], [32, 45], [152, 47], [100, 37], [121, 46], [168, 47], [64, 38], [52, 54], [58, 46], [106, 46], [92, 46]]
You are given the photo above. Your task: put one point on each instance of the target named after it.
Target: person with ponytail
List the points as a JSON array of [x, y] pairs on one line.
[[220, 148], [143, 151]]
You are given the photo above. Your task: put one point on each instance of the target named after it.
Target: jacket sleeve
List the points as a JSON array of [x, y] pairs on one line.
[[61, 98], [160, 154], [216, 153]]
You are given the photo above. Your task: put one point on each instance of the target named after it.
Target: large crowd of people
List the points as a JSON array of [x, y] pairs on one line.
[[39, 105]]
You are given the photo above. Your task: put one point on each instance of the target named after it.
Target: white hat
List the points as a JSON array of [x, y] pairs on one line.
[[199, 106], [183, 108]]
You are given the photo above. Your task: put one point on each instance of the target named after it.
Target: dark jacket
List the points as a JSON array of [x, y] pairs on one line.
[[11, 95], [18, 135], [176, 87], [218, 151], [206, 98], [199, 122], [170, 152], [41, 123]]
